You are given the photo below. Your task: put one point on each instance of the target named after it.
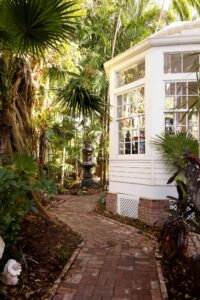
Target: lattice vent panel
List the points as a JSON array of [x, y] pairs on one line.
[[128, 205]]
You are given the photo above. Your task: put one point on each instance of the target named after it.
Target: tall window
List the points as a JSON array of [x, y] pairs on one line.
[[187, 62], [179, 98], [131, 121], [132, 74]]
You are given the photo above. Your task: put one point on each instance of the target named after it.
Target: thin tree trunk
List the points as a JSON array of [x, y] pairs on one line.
[[161, 15], [63, 167], [42, 149]]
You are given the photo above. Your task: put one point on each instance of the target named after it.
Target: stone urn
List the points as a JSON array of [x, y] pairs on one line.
[[87, 165]]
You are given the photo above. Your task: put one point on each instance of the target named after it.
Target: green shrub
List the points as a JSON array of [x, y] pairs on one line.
[[17, 182]]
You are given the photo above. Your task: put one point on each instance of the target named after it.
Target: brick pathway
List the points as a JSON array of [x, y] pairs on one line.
[[116, 261]]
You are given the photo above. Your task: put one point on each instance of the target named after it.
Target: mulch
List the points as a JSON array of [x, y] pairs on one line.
[[43, 251]]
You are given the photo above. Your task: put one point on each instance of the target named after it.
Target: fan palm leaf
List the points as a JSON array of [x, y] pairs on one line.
[[79, 100], [39, 24], [172, 147]]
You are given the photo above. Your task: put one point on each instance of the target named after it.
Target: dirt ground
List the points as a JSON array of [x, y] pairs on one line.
[[43, 251]]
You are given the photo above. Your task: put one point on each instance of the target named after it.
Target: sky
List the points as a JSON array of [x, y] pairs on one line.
[[166, 3]]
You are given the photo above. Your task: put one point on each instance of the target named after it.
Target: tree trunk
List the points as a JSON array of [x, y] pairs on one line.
[[161, 15], [42, 148], [16, 109], [63, 167]]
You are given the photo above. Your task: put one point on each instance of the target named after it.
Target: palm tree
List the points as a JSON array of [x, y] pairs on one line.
[[181, 7], [27, 29]]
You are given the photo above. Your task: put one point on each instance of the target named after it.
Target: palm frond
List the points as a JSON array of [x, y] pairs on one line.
[[195, 4], [172, 147], [39, 24], [6, 42], [182, 9], [25, 164], [57, 74], [78, 99]]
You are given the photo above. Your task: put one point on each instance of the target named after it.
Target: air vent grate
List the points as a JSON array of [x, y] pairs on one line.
[[128, 205]]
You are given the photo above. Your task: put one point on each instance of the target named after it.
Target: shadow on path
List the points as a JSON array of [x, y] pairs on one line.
[[116, 262]]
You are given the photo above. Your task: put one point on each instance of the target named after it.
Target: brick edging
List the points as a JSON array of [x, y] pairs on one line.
[[160, 274], [65, 271]]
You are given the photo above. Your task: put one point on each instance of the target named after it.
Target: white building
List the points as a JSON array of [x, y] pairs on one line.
[[151, 86]]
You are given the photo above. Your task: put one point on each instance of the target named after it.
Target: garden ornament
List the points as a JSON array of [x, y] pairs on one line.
[[11, 272], [2, 247]]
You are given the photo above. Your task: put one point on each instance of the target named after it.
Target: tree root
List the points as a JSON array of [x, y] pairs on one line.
[[43, 211]]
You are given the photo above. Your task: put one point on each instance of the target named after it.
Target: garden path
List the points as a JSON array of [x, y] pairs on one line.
[[116, 261]]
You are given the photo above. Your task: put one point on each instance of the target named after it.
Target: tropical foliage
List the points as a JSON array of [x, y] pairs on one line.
[[172, 148], [18, 183]]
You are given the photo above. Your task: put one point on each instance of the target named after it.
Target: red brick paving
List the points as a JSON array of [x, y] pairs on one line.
[[116, 262]]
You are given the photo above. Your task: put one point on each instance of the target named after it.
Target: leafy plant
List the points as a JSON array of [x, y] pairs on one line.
[[172, 147], [33, 26], [186, 216], [175, 230], [17, 184], [77, 98]]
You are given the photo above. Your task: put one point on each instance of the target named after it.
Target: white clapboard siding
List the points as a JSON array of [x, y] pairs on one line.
[[161, 173], [130, 171], [128, 179], [139, 172]]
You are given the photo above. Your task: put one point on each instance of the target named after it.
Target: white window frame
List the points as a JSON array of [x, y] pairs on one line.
[[121, 91], [175, 110], [181, 53]]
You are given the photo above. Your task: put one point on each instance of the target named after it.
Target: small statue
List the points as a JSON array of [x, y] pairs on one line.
[[11, 272]]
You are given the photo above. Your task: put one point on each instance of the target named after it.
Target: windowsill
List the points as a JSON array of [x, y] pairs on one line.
[[131, 156]]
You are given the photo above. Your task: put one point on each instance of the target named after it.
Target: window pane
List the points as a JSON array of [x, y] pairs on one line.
[[121, 124], [170, 88], [192, 88], [193, 125], [178, 104], [130, 75], [181, 62], [184, 102], [135, 122], [169, 122], [190, 62], [181, 119], [192, 100], [121, 136], [142, 123], [181, 88], [193, 121], [121, 148], [119, 112], [119, 100], [176, 63], [169, 104], [135, 146], [167, 63], [142, 147]]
